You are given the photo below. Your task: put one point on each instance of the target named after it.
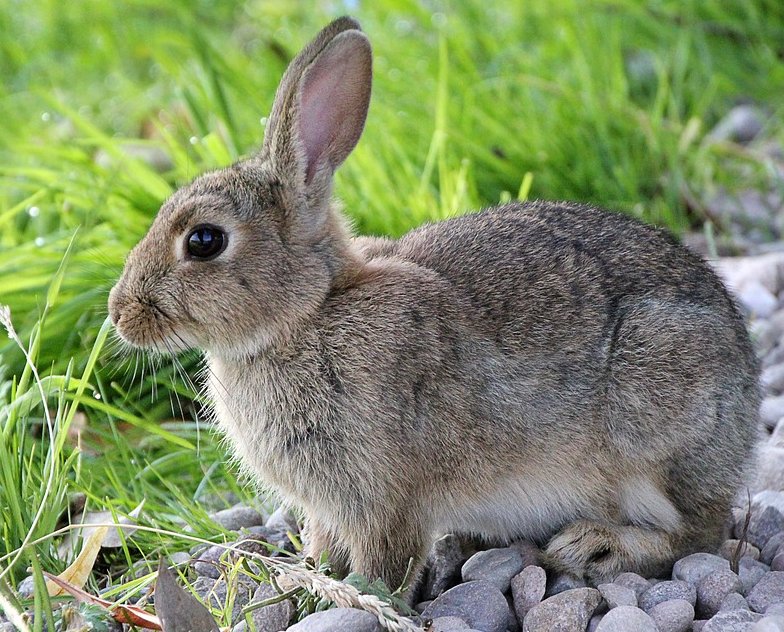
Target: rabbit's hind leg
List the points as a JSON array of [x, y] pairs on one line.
[[600, 551]]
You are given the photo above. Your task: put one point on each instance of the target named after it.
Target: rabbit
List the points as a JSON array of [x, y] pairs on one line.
[[546, 371]]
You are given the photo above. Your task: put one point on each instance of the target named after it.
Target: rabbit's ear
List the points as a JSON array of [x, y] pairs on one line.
[[320, 108]]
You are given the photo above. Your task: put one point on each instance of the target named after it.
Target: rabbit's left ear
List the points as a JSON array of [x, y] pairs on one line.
[[320, 109]]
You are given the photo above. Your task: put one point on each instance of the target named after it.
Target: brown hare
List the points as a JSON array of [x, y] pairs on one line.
[[543, 370]]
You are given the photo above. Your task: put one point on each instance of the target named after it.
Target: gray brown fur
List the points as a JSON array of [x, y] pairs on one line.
[[537, 370]]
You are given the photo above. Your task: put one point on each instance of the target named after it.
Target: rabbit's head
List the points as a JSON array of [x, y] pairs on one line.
[[241, 256]]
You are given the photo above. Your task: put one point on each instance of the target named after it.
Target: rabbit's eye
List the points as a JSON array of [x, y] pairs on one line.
[[206, 242]]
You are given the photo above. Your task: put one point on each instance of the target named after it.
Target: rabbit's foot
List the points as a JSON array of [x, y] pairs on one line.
[[600, 552], [318, 541]]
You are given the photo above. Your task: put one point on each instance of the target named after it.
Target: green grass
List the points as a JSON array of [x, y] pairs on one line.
[[474, 102]]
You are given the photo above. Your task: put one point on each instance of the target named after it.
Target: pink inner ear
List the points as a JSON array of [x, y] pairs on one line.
[[334, 100]]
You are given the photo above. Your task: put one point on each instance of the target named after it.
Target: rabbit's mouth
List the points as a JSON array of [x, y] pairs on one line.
[[145, 325]]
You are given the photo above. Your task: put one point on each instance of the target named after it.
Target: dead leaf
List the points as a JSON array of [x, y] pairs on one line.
[[179, 611], [132, 615], [79, 571]]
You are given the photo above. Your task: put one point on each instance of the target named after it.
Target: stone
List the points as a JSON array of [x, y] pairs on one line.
[[750, 572], [216, 594], [568, 610], [713, 588], [768, 591], [741, 124], [616, 595], [771, 410], [776, 609], [778, 562], [730, 548], [530, 552], [768, 498], [697, 626], [447, 624], [769, 624], [733, 601], [770, 469], [443, 566], [563, 582], [496, 566], [238, 517], [675, 615], [528, 588], [665, 591], [772, 379], [208, 561], [480, 604], [634, 581], [282, 520], [624, 619], [771, 548], [732, 621], [758, 300], [767, 269], [274, 617], [338, 620], [776, 439], [694, 567]]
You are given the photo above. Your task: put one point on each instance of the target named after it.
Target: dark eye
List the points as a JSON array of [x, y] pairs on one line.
[[206, 242]]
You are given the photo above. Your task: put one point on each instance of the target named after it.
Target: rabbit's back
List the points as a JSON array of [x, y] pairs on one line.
[[637, 334]]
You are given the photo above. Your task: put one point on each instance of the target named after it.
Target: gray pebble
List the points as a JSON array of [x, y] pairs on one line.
[[496, 566], [771, 410], [698, 625], [569, 610], [26, 587], [207, 562], [594, 622], [768, 498], [216, 594], [530, 552], [750, 572], [772, 378], [757, 299], [338, 620], [776, 609], [282, 520], [770, 468], [778, 562], [732, 621], [563, 582], [616, 595], [771, 548], [730, 548], [713, 588], [624, 619], [664, 591], [447, 624], [480, 604], [238, 517], [528, 588], [634, 581], [443, 566], [675, 615], [776, 438], [274, 617], [768, 591], [769, 624], [734, 601], [694, 567], [741, 124]]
